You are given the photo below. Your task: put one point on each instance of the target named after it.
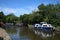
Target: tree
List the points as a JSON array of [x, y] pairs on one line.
[[11, 18], [2, 16], [24, 18], [49, 13]]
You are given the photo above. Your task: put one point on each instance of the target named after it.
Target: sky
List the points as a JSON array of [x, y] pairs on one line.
[[20, 7]]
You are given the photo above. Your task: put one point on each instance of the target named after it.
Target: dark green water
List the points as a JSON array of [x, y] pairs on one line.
[[18, 33]]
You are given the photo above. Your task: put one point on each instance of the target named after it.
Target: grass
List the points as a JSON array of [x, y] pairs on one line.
[[30, 26]]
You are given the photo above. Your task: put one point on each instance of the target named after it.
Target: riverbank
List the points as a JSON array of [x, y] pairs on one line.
[[4, 34], [57, 29], [30, 26]]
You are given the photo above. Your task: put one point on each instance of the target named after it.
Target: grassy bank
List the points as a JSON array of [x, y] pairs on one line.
[[30, 26], [57, 28]]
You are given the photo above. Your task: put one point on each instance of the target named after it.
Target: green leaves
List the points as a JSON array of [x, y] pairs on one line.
[[47, 13], [2, 16], [11, 18]]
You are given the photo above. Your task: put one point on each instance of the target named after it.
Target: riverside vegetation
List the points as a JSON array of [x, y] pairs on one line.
[[48, 13]]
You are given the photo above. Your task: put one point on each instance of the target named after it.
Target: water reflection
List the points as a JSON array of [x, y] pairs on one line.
[[43, 34], [18, 33], [15, 35]]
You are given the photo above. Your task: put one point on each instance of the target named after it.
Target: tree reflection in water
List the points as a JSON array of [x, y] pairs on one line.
[[44, 34], [20, 33]]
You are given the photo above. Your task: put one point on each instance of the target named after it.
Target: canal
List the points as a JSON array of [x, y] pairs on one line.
[[20, 33]]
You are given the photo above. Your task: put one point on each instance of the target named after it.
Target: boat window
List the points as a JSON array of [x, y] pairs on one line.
[[36, 25], [44, 25]]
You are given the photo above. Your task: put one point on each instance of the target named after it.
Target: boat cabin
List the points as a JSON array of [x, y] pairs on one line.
[[37, 25], [43, 23], [44, 26]]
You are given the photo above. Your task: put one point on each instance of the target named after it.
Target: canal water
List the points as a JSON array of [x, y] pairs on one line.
[[19, 33]]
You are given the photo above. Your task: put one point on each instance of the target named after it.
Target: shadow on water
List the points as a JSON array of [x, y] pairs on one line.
[[20, 33], [1, 38]]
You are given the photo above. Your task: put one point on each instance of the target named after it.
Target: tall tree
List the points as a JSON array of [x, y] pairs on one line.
[[11, 18], [2, 16]]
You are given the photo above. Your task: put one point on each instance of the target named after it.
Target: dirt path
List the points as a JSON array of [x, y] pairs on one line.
[[4, 34]]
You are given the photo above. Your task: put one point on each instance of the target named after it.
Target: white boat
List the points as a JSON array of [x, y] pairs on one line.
[[44, 26]]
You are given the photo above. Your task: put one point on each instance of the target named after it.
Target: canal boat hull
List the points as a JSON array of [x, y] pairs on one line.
[[44, 28]]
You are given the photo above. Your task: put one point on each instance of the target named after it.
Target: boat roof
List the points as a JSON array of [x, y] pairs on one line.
[[44, 22]]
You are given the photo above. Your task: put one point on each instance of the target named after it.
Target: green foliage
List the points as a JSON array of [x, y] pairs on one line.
[[24, 18], [49, 13], [11, 18], [2, 16]]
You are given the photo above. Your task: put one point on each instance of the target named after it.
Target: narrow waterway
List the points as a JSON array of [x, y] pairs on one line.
[[19, 33]]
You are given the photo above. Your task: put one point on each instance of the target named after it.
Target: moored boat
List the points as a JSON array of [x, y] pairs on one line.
[[44, 26]]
